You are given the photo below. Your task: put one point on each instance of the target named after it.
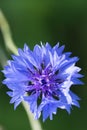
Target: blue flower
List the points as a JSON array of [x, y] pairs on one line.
[[43, 78]]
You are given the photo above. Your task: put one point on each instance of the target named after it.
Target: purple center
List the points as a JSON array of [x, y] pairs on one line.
[[44, 82]]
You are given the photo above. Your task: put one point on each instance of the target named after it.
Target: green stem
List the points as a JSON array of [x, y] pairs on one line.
[[35, 124], [5, 29]]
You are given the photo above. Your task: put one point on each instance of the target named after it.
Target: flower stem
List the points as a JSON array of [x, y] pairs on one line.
[[10, 45], [6, 33], [35, 124]]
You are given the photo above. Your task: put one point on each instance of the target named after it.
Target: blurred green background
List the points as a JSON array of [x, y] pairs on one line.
[[32, 21]]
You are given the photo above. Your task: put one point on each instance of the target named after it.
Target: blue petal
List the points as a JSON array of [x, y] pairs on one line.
[[48, 46], [68, 63], [55, 48], [76, 81], [38, 54], [17, 103], [75, 99], [32, 100], [60, 50], [26, 48]]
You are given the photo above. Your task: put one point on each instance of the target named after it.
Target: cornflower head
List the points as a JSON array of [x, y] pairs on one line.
[[43, 78]]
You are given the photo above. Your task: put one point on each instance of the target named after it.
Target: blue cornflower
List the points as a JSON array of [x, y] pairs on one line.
[[43, 78]]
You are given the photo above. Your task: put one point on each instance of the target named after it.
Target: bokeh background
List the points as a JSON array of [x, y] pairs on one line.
[[63, 21]]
